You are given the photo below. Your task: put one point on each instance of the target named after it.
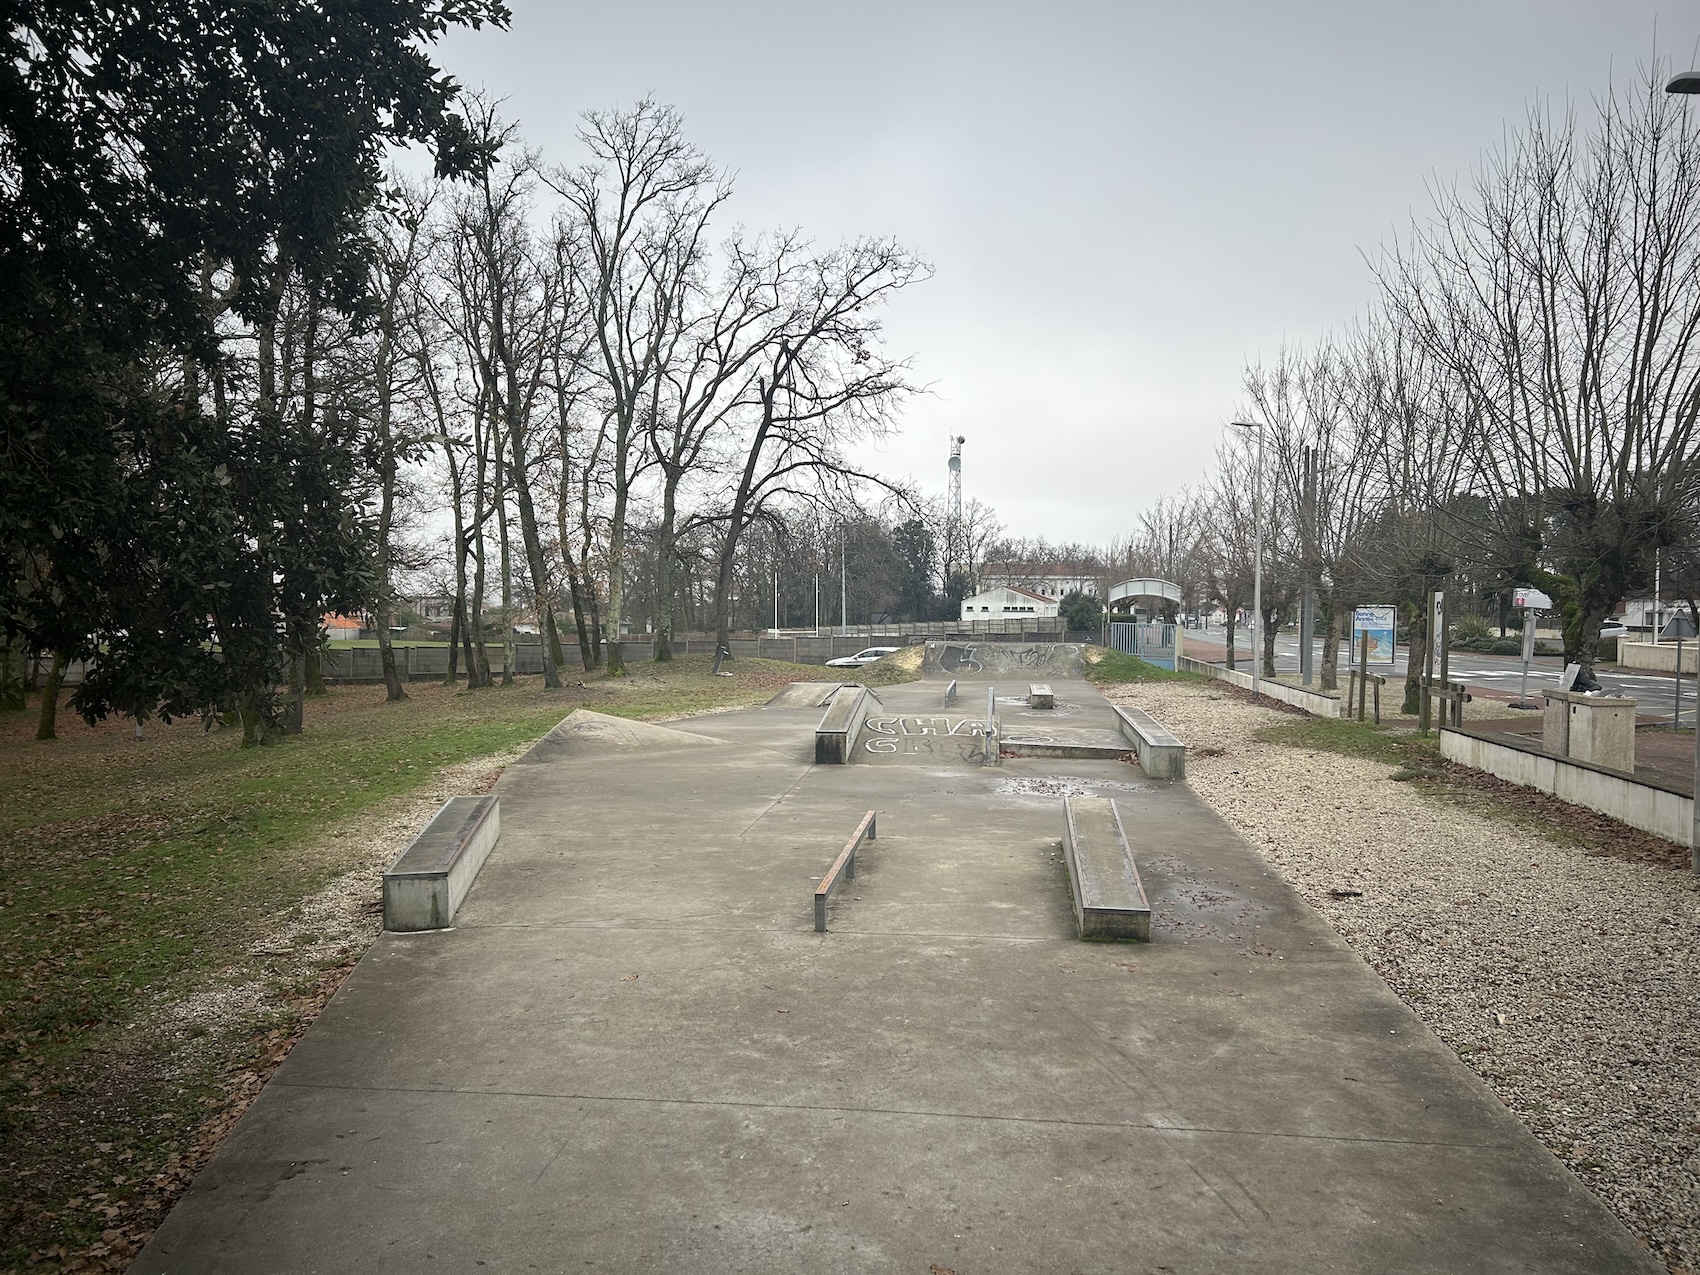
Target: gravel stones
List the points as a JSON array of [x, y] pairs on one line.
[[1569, 983]]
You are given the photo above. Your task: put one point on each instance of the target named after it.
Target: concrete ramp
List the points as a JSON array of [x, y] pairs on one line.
[[588, 734], [804, 695], [1009, 661]]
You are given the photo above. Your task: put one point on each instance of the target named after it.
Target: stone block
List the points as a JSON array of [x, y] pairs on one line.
[[1039, 695], [426, 885]]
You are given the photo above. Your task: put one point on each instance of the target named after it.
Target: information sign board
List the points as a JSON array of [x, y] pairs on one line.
[[1378, 623], [1533, 599]]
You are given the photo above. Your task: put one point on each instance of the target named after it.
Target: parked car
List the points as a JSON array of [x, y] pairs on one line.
[[1614, 629], [867, 656]]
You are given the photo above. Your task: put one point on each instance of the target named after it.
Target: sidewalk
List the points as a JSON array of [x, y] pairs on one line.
[[634, 1052]]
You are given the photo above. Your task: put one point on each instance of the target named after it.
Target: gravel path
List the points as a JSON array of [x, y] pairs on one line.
[[1569, 983]]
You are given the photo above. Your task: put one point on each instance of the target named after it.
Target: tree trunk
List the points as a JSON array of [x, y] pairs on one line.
[[452, 673], [1271, 617], [665, 540], [616, 590], [541, 587], [295, 714], [1331, 644], [1416, 656], [393, 689], [1231, 609], [50, 699], [314, 667], [586, 658]]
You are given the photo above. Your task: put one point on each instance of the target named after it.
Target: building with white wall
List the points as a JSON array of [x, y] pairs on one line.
[[1007, 601]]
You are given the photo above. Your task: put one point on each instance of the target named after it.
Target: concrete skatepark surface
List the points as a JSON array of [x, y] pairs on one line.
[[635, 1053]]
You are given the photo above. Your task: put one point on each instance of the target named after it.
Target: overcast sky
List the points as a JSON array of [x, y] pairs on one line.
[[1124, 202]]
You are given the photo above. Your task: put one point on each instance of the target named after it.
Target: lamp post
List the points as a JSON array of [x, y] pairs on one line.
[[1257, 560], [1689, 82]]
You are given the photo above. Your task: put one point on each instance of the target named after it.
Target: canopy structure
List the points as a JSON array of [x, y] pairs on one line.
[[1136, 590]]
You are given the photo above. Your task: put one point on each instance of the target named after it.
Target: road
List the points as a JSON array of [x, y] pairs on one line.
[[1498, 673]]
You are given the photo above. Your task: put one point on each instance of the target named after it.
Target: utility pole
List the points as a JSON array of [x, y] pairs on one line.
[[1257, 569], [843, 586], [1307, 547]]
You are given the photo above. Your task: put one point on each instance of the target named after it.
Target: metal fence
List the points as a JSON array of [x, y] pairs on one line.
[[1154, 642]]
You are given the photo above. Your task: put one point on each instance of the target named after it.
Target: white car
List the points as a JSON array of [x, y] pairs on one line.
[[862, 657], [1613, 629]]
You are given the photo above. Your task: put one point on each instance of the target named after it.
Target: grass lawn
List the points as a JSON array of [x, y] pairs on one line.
[[137, 874], [1106, 667]]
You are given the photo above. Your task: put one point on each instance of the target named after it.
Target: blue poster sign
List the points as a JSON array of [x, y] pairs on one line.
[[1378, 623]]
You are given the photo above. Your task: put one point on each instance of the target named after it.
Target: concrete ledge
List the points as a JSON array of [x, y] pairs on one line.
[[835, 737], [1651, 807], [843, 868], [1315, 703], [426, 885], [1039, 696], [1109, 899], [1161, 754]]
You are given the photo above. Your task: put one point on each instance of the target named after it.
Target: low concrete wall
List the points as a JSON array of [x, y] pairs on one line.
[[1161, 754], [1316, 703], [1636, 802], [1660, 658], [425, 886]]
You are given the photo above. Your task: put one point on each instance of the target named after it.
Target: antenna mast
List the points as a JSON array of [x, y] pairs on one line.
[[953, 514]]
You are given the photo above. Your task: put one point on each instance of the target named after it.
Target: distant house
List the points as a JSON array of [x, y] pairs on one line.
[[1007, 601], [432, 607], [1047, 579], [342, 628]]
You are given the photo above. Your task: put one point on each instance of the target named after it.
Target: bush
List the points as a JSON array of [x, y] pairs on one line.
[[1470, 628], [1505, 646]]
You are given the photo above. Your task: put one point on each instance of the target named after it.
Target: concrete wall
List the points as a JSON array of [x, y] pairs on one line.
[[1661, 658], [1316, 703], [1640, 805]]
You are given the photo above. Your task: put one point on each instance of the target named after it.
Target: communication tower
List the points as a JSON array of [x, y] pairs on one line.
[[953, 514]]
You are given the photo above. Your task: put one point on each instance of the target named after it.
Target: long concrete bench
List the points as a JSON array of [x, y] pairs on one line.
[[1039, 696], [1161, 755], [843, 868], [1109, 898], [835, 737], [426, 885]]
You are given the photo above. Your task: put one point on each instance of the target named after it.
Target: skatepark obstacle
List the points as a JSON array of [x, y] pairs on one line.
[[1109, 898], [1161, 754], [425, 886], [843, 868]]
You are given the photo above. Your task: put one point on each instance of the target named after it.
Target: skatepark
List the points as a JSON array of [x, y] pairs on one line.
[[635, 1050]]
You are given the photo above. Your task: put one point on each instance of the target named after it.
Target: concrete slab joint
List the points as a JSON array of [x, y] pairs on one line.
[[843, 868], [427, 883], [1161, 754], [1109, 898]]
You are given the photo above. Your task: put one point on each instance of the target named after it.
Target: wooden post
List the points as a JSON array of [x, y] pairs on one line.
[[1363, 675]]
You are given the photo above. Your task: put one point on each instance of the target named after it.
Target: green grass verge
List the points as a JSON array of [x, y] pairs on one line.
[[134, 873], [1402, 749], [1105, 667]]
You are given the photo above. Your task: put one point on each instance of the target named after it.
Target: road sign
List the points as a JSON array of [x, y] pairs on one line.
[[1533, 599]]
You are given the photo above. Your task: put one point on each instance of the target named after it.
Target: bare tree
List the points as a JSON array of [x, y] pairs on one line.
[[643, 202], [823, 385], [1561, 291]]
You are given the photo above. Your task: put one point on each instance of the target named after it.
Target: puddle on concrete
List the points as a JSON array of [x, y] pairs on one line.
[[1187, 908]]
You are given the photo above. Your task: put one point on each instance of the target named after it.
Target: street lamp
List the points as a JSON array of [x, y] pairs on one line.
[[1257, 561], [1689, 82]]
